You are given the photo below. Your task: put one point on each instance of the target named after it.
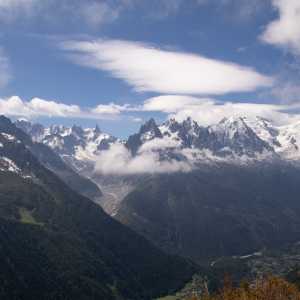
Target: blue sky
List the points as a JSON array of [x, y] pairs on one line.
[[131, 56]]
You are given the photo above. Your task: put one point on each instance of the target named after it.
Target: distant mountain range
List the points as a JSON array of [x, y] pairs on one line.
[[237, 139], [76, 146], [232, 138]]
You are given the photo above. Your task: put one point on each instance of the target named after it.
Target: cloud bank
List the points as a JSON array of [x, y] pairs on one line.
[[209, 111], [205, 111], [36, 107], [150, 69], [119, 161]]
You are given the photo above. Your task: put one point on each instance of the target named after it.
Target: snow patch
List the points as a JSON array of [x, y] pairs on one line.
[[7, 164], [9, 137]]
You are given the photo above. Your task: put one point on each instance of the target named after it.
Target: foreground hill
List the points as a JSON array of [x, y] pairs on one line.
[[57, 244], [217, 211]]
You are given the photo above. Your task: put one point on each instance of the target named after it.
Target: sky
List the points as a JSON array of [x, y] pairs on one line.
[[116, 63]]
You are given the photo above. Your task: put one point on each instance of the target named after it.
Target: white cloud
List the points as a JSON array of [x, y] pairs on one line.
[[119, 161], [172, 103], [5, 70], [209, 111], [111, 108], [51, 108], [204, 110], [15, 106], [148, 68], [285, 31], [157, 144], [36, 107]]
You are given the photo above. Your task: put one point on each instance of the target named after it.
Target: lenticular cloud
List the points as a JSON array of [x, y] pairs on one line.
[[150, 69]]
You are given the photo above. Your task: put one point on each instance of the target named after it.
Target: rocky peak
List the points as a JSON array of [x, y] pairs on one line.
[[5, 122], [77, 130], [150, 131], [171, 125], [150, 126], [36, 131], [97, 130]]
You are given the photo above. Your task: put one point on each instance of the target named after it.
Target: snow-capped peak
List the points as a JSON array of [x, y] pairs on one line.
[[150, 131], [7, 164], [231, 138], [265, 130], [230, 127], [74, 144], [289, 140]]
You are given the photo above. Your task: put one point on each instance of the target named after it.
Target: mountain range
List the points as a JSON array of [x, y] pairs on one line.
[[117, 166], [232, 139], [198, 191], [57, 244]]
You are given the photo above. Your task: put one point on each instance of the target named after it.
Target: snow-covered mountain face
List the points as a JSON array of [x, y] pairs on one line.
[[77, 146], [237, 139], [7, 164], [285, 140], [289, 141], [230, 139]]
